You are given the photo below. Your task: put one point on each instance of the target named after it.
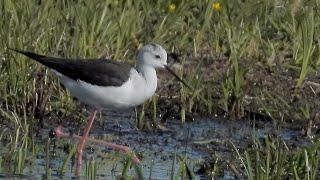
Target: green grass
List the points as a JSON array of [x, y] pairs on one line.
[[272, 159], [16, 157], [222, 53], [91, 170], [307, 32]]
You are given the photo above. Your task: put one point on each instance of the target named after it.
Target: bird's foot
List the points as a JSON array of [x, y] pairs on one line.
[[61, 134]]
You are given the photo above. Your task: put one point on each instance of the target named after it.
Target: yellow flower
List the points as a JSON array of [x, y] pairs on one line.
[[216, 6], [172, 8]]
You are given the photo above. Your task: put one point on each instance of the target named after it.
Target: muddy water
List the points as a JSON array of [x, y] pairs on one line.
[[196, 141]]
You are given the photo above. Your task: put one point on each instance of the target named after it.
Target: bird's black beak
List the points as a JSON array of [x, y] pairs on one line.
[[177, 77]]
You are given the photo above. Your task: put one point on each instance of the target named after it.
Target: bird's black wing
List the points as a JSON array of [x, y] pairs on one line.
[[94, 71]]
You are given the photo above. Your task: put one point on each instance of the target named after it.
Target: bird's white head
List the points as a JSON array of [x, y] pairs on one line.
[[152, 55]]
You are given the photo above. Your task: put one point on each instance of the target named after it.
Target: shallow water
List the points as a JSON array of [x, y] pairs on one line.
[[197, 141]]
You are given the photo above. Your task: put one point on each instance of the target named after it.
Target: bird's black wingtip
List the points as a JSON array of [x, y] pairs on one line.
[[26, 53], [18, 51], [13, 49]]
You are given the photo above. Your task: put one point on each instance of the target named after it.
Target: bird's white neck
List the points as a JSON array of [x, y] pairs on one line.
[[150, 76]]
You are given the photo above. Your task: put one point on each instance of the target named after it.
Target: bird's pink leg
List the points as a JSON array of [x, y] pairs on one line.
[[60, 133], [83, 140]]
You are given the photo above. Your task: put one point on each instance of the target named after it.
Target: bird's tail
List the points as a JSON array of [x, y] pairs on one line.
[[31, 55]]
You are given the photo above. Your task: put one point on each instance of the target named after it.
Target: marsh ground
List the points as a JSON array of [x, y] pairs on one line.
[[253, 67]]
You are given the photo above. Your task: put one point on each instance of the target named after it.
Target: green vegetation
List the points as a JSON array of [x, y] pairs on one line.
[[241, 57], [274, 160]]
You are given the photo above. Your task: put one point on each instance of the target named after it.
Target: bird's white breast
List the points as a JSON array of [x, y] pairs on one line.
[[132, 93]]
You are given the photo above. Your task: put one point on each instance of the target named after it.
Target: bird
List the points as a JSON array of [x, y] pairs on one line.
[[104, 84]]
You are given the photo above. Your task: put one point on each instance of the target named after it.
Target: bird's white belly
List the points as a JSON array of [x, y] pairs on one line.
[[128, 95]]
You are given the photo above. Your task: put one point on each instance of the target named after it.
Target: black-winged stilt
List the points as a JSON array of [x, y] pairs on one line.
[[107, 84]]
